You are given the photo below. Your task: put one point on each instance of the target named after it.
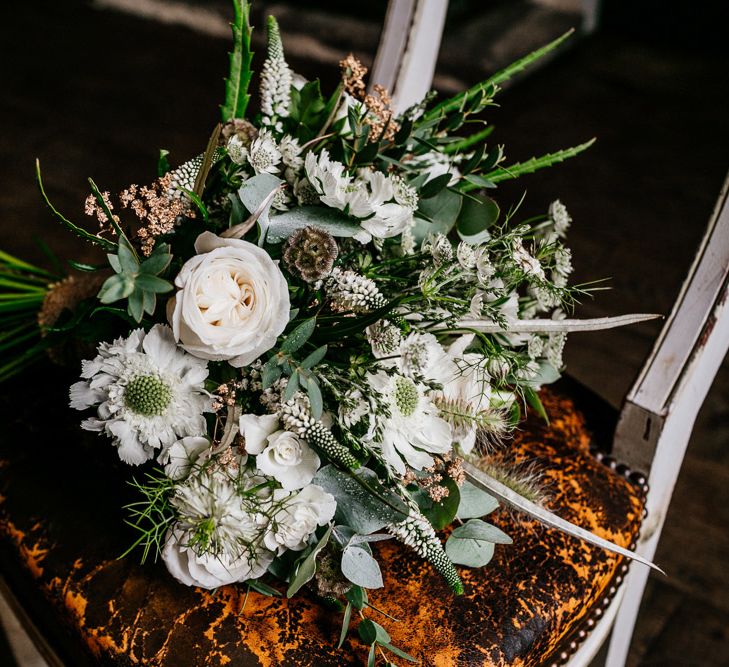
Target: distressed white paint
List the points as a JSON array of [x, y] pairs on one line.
[[408, 50]]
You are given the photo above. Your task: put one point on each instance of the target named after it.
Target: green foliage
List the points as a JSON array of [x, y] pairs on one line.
[[152, 515], [477, 216], [533, 164], [307, 568], [439, 513], [137, 282], [360, 567], [362, 501], [107, 245], [474, 503], [473, 543], [487, 88], [309, 112], [239, 78]]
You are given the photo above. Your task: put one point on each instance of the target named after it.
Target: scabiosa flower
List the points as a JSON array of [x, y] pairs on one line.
[[148, 393], [411, 429], [310, 253]]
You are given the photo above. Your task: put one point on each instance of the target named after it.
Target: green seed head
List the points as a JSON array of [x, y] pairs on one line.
[[147, 395], [406, 396]]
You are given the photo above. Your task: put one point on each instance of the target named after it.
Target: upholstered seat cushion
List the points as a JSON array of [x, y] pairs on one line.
[[61, 532]]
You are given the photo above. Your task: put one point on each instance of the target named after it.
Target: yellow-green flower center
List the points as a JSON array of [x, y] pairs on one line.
[[147, 395], [406, 396]]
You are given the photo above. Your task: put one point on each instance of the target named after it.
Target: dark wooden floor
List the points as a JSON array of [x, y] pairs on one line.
[[94, 92]]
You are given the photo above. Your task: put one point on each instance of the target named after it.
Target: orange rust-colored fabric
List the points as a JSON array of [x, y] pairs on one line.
[[61, 531]]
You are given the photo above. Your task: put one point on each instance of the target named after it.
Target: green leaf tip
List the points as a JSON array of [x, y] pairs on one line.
[[239, 78]]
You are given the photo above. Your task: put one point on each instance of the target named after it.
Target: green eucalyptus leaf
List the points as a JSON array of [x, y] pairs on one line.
[[314, 358], [476, 218], [363, 503], [114, 263], [291, 387], [307, 568], [357, 596], [475, 503], [270, 372], [299, 336], [345, 624], [398, 652], [310, 383], [331, 220], [441, 513], [371, 632], [435, 185], [441, 211], [473, 543], [263, 589], [361, 568]]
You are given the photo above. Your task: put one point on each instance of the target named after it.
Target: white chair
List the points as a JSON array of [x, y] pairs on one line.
[[659, 411]]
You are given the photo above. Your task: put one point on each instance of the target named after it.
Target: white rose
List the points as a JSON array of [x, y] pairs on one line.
[[298, 518], [181, 455], [232, 302], [289, 460], [256, 429], [210, 570]]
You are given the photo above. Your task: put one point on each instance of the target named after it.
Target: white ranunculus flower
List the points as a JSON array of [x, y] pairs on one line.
[[182, 455], [210, 570], [232, 301], [289, 460], [298, 517], [256, 429]]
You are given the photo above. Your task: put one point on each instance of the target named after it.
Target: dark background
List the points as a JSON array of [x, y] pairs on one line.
[[93, 91]]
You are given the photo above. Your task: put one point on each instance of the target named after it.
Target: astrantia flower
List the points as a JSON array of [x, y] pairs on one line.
[[262, 154], [525, 261], [149, 393], [413, 429]]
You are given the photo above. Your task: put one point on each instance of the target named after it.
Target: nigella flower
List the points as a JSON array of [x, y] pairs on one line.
[[149, 393], [412, 429]]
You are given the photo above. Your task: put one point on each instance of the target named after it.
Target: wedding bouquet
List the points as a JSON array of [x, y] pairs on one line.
[[314, 333]]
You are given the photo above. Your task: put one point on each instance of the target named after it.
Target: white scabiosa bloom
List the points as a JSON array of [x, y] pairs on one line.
[[413, 429], [147, 391]]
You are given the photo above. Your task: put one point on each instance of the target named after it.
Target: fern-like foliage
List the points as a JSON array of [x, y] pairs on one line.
[[534, 164], [489, 86], [239, 78]]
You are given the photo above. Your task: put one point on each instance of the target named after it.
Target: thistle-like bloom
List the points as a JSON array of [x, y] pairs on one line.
[[148, 393], [310, 253]]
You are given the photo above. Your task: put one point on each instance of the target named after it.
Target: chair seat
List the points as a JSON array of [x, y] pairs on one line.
[[61, 532]]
